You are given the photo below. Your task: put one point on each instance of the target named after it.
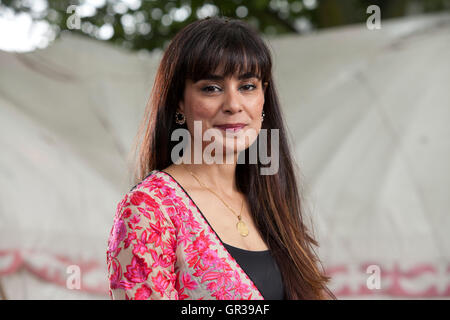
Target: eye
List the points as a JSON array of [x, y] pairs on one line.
[[212, 89], [249, 86], [209, 89]]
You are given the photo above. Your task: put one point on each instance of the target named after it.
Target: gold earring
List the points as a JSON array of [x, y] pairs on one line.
[[180, 118]]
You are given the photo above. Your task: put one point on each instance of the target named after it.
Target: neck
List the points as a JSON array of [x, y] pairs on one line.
[[219, 177]]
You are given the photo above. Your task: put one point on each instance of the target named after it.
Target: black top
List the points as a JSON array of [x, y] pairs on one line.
[[262, 269]]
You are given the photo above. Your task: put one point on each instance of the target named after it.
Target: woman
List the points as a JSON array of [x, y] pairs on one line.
[[213, 229]]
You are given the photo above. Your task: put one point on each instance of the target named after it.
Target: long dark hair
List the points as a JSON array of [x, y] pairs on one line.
[[275, 201]]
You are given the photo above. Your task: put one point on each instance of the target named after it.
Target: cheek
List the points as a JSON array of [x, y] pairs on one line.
[[257, 107], [201, 109], [203, 112]]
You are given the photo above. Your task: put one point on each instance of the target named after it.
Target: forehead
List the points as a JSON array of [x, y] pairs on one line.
[[221, 77], [239, 72], [227, 68]]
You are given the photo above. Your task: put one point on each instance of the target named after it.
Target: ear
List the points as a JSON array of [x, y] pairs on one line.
[[265, 86], [181, 106]]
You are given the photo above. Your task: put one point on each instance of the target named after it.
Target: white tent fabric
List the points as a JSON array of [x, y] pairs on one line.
[[368, 115]]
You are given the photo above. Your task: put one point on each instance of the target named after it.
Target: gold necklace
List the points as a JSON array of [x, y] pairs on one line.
[[240, 226]]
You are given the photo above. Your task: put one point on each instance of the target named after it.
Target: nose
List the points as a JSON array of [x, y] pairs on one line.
[[232, 103]]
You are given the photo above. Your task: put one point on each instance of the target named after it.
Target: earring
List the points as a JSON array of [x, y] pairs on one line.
[[262, 116], [180, 118]]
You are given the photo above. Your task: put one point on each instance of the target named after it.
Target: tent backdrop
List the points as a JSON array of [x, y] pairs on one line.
[[368, 115]]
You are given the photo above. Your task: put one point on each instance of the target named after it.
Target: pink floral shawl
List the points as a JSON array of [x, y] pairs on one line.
[[162, 247]]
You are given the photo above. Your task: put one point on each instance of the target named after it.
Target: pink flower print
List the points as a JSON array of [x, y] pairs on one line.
[[154, 183], [143, 293], [223, 264], [182, 295], [156, 258], [194, 261], [199, 270], [137, 271], [222, 294], [211, 275], [188, 282], [219, 276], [133, 226], [164, 260], [183, 239], [169, 258], [171, 211], [167, 192], [121, 204], [145, 212], [201, 243], [180, 290], [211, 286], [177, 280], [140, 246], [131, 236], [118, 234], [239, 287], [160, 283], [188, 224], [116, 281], [126, 213], [196, 249], [135, 220], [184, 212], [170, 228], [137, 197], [158, 214], [172, 243], [156, 233], [209, 258]]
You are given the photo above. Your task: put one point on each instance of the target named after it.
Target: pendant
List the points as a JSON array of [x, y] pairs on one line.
[[242, 228]]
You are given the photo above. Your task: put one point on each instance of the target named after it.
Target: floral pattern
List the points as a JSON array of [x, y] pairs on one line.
[[161, 247]]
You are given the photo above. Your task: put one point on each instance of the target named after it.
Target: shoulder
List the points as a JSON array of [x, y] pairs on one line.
[[154, 193], [156, 184], [155, 179], [145, 207]]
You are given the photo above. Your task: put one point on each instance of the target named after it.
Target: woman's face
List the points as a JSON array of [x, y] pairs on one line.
[[218, 101]]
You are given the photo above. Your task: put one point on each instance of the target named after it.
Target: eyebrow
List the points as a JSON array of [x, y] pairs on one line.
[[243, 76]]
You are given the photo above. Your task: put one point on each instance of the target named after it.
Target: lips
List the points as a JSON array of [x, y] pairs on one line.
[[231, 127]]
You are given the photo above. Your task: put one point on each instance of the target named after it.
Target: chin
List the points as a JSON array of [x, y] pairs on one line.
[[236, 146]]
